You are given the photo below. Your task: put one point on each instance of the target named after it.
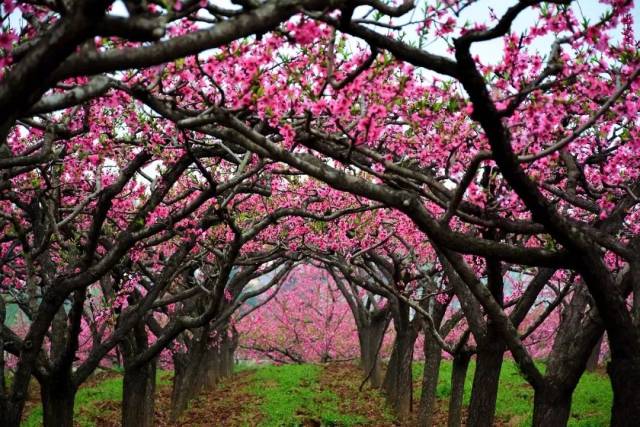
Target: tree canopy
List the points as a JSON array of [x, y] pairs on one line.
[[181, 179]]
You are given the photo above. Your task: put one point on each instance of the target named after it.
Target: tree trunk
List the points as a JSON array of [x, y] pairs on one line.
[[370, 337], [179, 372], [432, 358], [230, 344], [625, 381], [139, 382], [189, 378], [213, 366], [4, 398], [458, 377], [484, 392], [398, 382], [58, 395], [551, 407], [219, 359], [11, 417], [578, 338], [138, 395]]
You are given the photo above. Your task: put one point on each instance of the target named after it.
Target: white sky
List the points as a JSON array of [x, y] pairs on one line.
[[479, 12]]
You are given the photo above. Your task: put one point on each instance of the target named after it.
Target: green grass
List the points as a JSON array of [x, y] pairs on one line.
[[590, 407], [290, 394], [86, 408]]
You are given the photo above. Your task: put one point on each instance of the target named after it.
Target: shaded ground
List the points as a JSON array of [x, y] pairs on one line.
[[318, 395], [344, 380], [230, 404]]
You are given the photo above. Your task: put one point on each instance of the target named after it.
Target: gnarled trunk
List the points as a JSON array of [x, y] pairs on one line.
[[189, 374], [579, 337], [11, 415], [138, 395], [625, 381], [458, 378], [219, 359], [139, 382], [432, 358], [398, 381], [484, 392], [187, 382], [551, 407], [370, 337], [58, 395]]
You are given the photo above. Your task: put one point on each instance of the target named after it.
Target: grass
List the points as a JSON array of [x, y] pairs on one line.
[[590, 407], [291, 396], [326, 395]]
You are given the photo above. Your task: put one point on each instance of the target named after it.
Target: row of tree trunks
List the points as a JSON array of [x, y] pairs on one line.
[[203, 365], [189, 375], [220, 359], [579, 337]]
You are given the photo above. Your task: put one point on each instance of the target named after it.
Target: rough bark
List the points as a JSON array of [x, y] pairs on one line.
[[219, 360], [432, 358], [625, 377], [138, 395], [58, 395], [398, 382], [458, 377], [578, 333], [188, 374], [491, 348], [484, 392], [552, 407], [370, 337], [139, 382]]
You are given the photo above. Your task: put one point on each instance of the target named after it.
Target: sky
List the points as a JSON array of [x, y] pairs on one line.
[[490, 51]]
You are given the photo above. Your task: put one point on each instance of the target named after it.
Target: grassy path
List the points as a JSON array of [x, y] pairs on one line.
[[307, 395], [322, 395]]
